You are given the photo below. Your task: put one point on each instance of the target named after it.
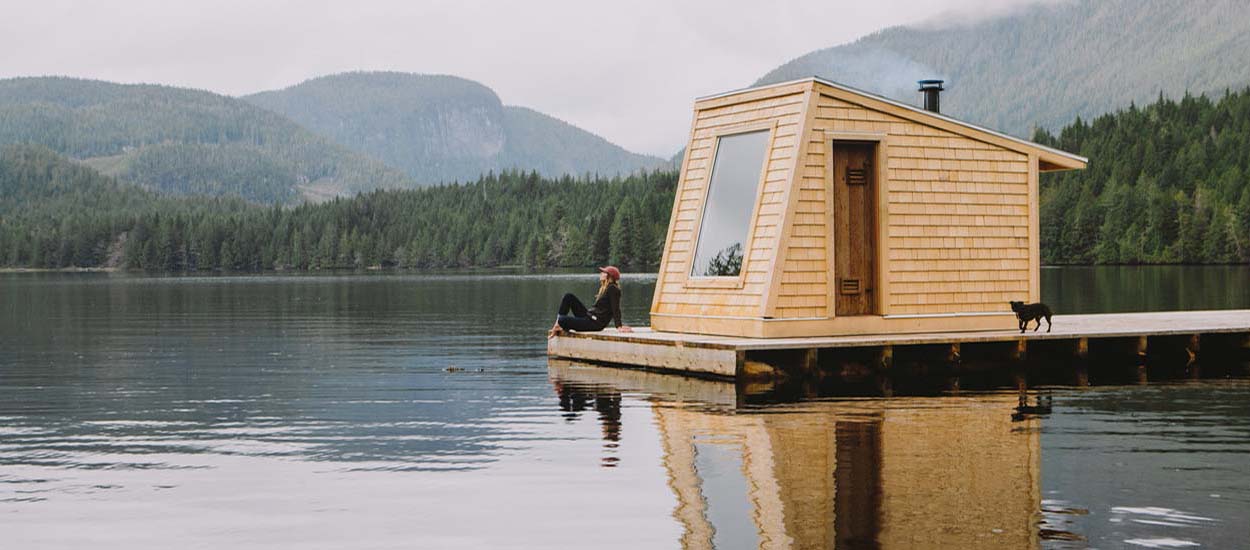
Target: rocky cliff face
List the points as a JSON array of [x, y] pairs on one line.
[[440, 128], [428, 126]]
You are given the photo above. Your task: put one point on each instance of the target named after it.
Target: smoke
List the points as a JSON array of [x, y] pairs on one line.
[[869, 68]]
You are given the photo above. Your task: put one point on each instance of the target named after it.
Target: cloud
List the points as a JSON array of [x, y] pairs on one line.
[[627, 71], [975, 14]]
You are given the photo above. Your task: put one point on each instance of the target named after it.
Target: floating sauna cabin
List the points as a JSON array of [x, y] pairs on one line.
[[809, 208]]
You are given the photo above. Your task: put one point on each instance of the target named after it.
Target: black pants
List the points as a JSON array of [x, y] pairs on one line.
[[574, 316]]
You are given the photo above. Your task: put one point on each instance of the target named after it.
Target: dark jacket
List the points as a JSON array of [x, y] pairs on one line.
[[608, 305]]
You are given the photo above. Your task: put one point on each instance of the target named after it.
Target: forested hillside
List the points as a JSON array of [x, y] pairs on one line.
[[1166, 183], [440, 128], [1043, 66], [184, 141], [55, 213]]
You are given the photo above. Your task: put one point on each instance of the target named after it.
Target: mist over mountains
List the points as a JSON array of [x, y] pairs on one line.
[[338, 135], [156, 177], [332, 136], [1045, 65]]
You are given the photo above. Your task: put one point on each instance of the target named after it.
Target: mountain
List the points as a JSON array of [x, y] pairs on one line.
[[440, 128], [1044, 65], [184, 141]]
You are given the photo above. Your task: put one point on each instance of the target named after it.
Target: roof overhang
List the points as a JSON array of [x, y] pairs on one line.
[[1049, 159]]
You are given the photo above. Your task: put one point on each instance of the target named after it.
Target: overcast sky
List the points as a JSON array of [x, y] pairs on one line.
[[627, 71]]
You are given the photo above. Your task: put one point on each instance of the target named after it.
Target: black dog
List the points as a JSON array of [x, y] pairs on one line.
[[1031, 312]]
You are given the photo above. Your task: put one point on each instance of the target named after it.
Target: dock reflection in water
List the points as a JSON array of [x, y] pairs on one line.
[[951, 472]]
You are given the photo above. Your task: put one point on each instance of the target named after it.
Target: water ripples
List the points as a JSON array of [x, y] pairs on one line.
[[411, 408]]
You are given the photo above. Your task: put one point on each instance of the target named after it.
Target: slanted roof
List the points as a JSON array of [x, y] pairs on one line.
[[1049, 159]]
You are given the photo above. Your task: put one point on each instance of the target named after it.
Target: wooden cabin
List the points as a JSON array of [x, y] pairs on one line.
[[809, 208]]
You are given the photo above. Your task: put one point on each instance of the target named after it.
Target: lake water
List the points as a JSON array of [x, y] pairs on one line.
[[420, 411]]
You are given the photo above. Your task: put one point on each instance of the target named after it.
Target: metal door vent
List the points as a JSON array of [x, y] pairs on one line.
[[849, 286]]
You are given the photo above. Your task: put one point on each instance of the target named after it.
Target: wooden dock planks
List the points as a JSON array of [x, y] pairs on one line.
[[723, 355]]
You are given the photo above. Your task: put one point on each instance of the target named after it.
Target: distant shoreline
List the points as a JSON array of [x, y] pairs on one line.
[[370, 269], [59, 269], [492, 269]]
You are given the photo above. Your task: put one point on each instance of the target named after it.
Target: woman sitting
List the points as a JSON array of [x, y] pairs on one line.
[[574, 316]]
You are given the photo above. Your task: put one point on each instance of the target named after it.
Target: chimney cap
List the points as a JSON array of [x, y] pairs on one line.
[[930, 84]]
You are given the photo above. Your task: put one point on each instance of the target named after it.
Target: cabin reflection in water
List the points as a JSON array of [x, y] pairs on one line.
[[950, 472]]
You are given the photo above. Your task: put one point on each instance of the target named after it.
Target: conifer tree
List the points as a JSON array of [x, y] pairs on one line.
[[1242, 216], [624, 236]]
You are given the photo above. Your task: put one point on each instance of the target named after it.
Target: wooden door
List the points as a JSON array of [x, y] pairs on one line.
[[854, 228]]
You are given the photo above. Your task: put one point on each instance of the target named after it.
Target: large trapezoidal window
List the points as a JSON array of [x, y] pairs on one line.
[[730, 199]]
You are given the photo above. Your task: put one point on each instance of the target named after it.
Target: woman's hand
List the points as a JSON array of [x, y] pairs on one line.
[[624, 328]]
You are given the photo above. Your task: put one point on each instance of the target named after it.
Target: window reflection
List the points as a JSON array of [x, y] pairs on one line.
[[730, 200]]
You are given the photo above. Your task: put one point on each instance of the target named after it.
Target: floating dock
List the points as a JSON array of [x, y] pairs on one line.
[[1183, 338]]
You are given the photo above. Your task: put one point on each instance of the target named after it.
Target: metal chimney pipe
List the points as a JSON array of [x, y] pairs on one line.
[[931, 89]]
